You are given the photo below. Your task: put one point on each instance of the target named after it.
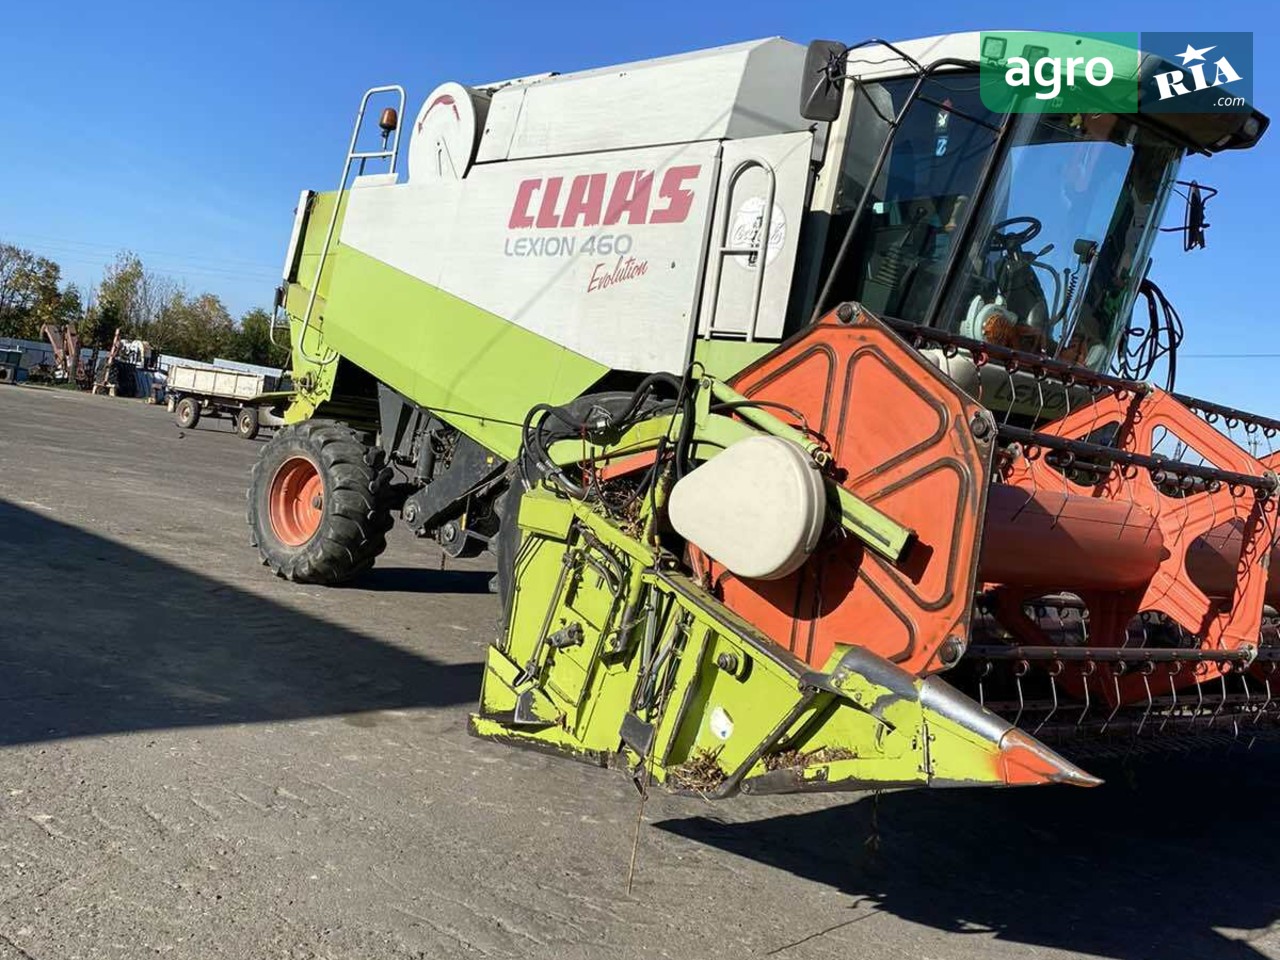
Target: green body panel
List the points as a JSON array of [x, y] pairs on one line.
[[724, 358], [312, 241], [472, 368], [313, 381], [612, 655]]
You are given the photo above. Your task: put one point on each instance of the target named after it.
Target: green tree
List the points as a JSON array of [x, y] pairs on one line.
[[252, 342], [199, 328], [32, 294], [129, 298]]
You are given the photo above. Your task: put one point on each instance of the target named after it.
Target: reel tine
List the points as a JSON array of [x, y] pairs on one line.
[[1248, 708], [1222, 703], [1055, 668], [1173, 670], [1115, 678], [1087, 670], [1020, 669], [1013, 392], [1266, 685], [1146, 684], [1147, 669], [1196, 714]]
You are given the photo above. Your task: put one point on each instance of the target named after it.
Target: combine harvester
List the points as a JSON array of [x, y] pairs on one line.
[[797, 395]]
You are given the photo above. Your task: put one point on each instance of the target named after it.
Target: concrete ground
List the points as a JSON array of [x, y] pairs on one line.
[[200, 761]]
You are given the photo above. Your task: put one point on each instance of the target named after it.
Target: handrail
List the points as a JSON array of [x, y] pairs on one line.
[[725, 250], [352, 156]]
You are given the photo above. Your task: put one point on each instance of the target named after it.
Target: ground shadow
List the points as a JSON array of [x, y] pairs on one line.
[[97, 638], [1151, 865], [423, 580]]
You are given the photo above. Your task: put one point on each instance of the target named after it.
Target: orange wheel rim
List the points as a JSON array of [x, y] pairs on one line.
[[296, 501]]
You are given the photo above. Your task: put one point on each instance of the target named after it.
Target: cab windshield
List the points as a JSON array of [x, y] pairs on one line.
[[1056, 249]]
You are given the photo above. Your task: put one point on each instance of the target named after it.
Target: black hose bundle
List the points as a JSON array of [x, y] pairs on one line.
[[598, 418], [1144, 346]]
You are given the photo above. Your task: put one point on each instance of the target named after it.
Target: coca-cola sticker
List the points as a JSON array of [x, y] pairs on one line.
[[748, 226]]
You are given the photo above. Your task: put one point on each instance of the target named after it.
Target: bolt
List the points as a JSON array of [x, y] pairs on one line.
[[981, 426], [728, 662], [317, 502], [844, 312], [951, 651]]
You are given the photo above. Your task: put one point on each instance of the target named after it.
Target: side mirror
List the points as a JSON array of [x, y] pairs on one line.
[[822, 84], [1194, 223]]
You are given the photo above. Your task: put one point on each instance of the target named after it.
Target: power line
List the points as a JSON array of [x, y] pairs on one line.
[[117, 248], [161, 264], [212, 273], [80, 257]]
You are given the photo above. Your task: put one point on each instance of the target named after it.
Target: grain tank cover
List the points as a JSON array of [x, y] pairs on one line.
[[445, 132], [732, 92]]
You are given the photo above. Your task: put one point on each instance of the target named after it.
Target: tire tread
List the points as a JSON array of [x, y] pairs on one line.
[[357, 518]]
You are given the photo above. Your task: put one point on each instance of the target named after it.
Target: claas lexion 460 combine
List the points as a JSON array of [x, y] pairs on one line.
[[808, 405]]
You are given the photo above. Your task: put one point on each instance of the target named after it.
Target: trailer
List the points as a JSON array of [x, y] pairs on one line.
[[247, 398]]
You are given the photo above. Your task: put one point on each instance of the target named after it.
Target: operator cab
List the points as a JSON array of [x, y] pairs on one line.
[[1029, 231]]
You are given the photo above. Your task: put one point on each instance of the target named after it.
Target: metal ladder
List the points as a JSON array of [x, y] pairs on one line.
[[724, 250], [386, 153]]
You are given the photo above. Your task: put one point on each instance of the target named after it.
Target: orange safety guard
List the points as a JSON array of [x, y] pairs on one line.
[[905, 439]]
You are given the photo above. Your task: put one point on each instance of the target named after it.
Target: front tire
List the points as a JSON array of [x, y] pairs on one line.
[[316, 509]]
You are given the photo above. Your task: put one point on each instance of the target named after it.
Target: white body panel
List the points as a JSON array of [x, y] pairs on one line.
[[294, 251], [621, 292], [602, 246], [733, 92], [224, 384]]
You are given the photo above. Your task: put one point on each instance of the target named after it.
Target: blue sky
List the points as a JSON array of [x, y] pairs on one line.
[[184, 131]]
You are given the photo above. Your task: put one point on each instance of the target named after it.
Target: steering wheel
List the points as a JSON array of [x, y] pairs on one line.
[[1010, 241]]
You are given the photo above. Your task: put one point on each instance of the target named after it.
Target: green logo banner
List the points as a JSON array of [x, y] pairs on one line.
[[1037, 72]]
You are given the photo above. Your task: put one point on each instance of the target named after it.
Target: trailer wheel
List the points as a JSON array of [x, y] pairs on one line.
[[317, 511], [247, 422], [188, 413]]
